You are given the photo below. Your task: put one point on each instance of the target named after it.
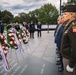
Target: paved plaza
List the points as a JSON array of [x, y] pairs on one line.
[[38, 58]]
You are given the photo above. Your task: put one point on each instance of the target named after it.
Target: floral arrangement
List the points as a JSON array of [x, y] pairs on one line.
[[19, 37], [4, 43], [28, 34], [5, 46], [11, 39], [23, 34]]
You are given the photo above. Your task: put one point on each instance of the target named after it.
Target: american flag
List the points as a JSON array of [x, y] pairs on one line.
[[74, 29]]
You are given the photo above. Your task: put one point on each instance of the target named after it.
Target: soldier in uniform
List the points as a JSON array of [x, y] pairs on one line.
[[68, 43]]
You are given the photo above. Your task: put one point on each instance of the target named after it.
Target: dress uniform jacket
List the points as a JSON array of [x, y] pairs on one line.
[[68, 44]]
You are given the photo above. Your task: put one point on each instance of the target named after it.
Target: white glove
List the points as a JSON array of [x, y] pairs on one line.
[[69, 69]]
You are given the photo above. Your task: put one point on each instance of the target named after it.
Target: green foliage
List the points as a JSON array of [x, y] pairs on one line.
[[46, 14], [16, 19], [71, 2], [6, 16]]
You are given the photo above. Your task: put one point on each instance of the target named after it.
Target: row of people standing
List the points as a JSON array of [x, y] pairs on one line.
[[30, 27], [65, 39], [58, 37]]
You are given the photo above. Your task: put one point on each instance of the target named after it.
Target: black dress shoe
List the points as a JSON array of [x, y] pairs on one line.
[[57, 52], [0, 57], [58, 63], [60, 70], [58, 56], [60, 67], [56, 48]]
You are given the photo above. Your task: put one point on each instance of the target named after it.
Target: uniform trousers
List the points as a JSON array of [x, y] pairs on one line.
[[74, 73], [65, 63]]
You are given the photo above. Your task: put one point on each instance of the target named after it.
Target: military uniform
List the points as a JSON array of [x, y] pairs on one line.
[[68, 44]]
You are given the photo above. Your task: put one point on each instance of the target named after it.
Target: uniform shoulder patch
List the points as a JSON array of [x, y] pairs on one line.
[[74, 28]]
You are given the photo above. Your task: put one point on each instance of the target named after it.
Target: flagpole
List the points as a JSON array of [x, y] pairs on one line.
[[60, 6]]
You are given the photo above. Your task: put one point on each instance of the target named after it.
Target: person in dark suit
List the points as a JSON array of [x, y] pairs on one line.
[[39, 26], [17, 27], [32, 29], [25, 25], [1, 27], [58, 37]]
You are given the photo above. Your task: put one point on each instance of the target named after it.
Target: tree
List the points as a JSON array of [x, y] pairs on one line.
[[16, 19], [48, 14], [71, 2], [33, 16], [0, 15], [6, 16]]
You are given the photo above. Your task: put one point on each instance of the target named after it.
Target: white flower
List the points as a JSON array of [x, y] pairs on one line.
[[1, 36], [18, 32], [15, 42], [10, 34], [11, 42], [6, 47], [19, 35], [10, 30], [13, 38], [20, 40], [5, 41], [24, 38], [2, 46], [15, 47], [22, 33]]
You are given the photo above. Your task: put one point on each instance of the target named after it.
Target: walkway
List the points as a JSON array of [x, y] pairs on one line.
[[39, 57]]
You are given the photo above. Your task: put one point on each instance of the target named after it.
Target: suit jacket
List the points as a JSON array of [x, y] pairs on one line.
[[1, 28], [32, 28], [17, 27], [39, 27], [26, 26]]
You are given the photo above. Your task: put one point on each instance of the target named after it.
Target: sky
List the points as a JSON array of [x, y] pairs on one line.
[[19, 6]]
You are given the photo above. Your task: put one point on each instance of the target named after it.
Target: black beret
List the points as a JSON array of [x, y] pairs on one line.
[[69, 8]]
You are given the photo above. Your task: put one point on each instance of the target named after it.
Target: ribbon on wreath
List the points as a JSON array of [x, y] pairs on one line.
[[18, 43], [4, 59]]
